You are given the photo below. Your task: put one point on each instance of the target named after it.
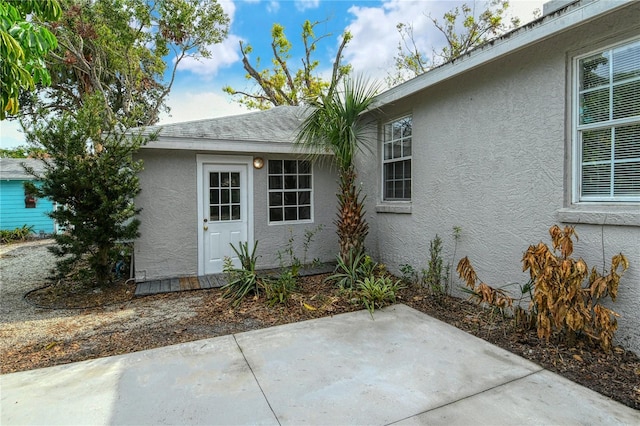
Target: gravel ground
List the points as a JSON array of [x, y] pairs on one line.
[[25, 266]]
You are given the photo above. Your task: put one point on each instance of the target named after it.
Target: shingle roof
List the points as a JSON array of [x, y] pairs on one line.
[[278, 124], [11, 168]]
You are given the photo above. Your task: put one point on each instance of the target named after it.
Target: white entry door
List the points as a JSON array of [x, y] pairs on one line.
[[225, 219]]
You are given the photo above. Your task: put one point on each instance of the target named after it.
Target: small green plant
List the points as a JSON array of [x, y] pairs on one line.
[[279, 290], [409, 274], [457, 230], [241, 282], [435, 277], [14, 235], [377, 292], [247, 259], [348, 272], [309, 235], [292, 261]]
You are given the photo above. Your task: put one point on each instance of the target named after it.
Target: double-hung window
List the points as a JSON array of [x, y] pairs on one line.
[[396, 160], [290, 191], [607, 131]]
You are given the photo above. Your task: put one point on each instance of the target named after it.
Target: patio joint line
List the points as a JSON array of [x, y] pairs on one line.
[[468, 396], [256, 379]]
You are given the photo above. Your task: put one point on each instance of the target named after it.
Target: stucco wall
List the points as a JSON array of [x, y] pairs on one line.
[[168, 244], [489, 156], [274, 238]]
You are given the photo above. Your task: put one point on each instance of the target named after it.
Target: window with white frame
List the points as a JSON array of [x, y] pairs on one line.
[[290, 191], [607, 131], [396, 160]]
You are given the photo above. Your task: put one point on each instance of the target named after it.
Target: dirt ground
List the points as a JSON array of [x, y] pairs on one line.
[[124, 324]]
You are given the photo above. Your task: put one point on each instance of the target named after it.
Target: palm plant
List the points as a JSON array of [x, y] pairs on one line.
[[335, 125]]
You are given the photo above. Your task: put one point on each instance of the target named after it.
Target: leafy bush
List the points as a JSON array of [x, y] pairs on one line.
[[435, 277], [409, 274], [560, 300], [562, 303], [357, 267], [348, 272], [378, 292], [18, 234], [280, 289], [241, 282]]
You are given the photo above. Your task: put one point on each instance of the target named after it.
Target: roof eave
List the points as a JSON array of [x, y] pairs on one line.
[[558, 22], [216, 145]]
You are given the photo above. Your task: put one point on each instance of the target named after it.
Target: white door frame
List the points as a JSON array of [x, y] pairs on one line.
[[201, 160]]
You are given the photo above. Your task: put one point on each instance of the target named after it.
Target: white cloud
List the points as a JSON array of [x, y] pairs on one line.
[[375, 37], [188, 105], [222, 55], [273, 6], [303, 5], [11, 134]]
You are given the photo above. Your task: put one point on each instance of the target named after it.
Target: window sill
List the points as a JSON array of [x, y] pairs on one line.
[[394, 208], [290, 222], [601, 215]]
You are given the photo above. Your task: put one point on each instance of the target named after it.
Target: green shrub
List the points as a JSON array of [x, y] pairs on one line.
[[377, 292], [435, 277], [14, 235], [241, 282], [279, 290], [566, 296]]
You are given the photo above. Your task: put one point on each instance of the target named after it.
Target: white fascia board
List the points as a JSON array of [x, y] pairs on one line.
[[229, 146], [511, 42]]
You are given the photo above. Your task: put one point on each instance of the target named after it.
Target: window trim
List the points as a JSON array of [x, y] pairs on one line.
[[311, 193], [388, 204], [575, 196]]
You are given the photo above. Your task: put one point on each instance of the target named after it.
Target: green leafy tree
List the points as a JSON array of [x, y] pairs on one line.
[[23, 47], [117, 49], [463, 31], [94, 188], [281, 85], [108, 74], [22, 151], [334, 125]]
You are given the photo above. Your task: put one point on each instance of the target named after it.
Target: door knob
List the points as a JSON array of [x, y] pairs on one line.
[[206, 228]]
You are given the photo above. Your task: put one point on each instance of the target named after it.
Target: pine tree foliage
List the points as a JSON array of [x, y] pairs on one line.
[[93, 186]]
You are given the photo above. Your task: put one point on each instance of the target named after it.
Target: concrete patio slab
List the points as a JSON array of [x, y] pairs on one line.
[[400, 367], [543, 398], [354, 370], [198, 383]]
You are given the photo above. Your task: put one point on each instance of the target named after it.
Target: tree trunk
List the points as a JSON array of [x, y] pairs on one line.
[[352, 227]]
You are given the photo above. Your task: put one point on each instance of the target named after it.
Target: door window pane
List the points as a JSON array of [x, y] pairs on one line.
[[224, 196]]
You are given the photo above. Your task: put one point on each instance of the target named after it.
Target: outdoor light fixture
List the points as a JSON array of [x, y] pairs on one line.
[[258, 162]]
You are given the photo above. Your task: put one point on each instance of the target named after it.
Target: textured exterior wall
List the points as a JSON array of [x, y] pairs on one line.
[[14, 214], [168, 245], [273, 238], [489, 156]]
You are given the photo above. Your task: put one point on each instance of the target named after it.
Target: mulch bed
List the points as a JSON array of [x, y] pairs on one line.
[[615, 374]]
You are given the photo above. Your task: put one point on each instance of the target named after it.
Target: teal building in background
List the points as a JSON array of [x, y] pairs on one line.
[[17, 206]]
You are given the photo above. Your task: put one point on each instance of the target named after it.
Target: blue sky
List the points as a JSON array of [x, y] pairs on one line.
[[197, 92]]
